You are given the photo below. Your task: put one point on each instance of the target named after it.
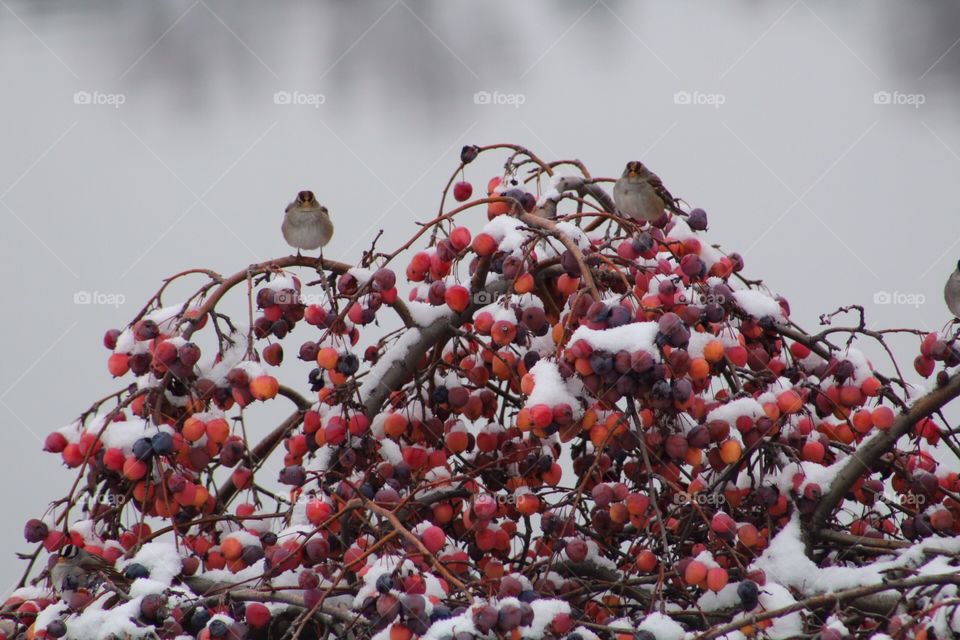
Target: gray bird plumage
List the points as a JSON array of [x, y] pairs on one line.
[[306, 223], [76, 569], [951, 292], [639, 194]]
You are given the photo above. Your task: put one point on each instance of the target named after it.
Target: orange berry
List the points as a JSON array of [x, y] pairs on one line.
[[789, 401], [394, 425], [716, 579], [231, 548], [524, 283], [730, 451], [713, 351], [695, 573], [327, 358], [528, 503], [264, 387], [646, 561], [193, 429], [218, 430], [699, 369]]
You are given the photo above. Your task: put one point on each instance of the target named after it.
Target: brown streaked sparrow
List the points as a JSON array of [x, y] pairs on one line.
[[77, 569], [306, 223], [639, 194]]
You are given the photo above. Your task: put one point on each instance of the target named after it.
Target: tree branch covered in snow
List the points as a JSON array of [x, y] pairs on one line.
[[568, 425]]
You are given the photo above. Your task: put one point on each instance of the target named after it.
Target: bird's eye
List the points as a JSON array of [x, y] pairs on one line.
[[69, 551]]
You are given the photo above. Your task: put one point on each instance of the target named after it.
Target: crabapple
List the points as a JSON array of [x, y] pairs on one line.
[[462, 191], [433, 538]]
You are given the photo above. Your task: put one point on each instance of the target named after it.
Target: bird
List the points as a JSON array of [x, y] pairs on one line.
[[306, 223], [639, 194], [77, 569], [951, 292]]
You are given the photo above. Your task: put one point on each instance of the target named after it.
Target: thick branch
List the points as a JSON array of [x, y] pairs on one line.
[[834, 598]]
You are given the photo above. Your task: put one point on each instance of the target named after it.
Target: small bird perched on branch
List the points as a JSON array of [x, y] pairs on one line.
[[639, 194], [306, 223], [951, 292], [77, 569]]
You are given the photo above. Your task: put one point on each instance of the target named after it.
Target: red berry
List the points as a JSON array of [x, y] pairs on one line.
[[273, 354], [462, 191], [457, 297], [576, 550], [460, 238], [433, 538], [484, 244], [55, 442], [257, 615], [485, 507], [118, 364]]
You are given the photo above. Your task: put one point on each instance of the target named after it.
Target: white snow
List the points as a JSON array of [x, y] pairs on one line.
[[628, 337], [662, 626], [396, 353], [550, 388], [425, 314], [161, 559], [758, 304]]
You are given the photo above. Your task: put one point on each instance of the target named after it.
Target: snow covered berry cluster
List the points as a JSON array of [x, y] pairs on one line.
[[547, 422]]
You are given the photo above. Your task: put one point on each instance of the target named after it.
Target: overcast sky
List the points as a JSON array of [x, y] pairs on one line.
[[140, 139]]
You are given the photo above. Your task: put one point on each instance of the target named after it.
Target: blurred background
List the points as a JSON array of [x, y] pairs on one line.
[[140, 139]]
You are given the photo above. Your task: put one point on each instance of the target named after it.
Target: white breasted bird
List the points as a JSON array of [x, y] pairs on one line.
[[639, 194], [76, 569], [306, 223], [951, 292]]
